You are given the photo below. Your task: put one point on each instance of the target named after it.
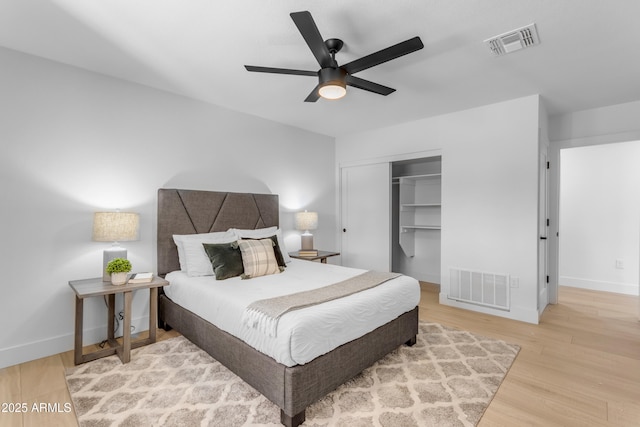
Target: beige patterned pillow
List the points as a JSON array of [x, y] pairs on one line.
[[258, 258]]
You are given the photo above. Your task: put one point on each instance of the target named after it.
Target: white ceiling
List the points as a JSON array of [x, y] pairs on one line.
[[589, 54]]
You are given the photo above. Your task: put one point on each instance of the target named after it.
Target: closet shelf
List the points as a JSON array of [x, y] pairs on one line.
[[420, 205], [406, 228], [418, 177]]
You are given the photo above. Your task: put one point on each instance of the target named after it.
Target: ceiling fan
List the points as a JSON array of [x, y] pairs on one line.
[[333, 79]]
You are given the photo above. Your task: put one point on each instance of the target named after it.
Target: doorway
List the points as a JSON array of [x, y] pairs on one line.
[[599, 217]]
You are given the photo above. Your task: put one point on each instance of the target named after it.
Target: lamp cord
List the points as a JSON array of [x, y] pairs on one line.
[[116, 319]]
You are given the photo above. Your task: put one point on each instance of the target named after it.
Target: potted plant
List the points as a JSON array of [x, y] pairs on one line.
[[118, 269]]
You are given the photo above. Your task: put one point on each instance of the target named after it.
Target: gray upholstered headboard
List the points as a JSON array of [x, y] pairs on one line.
[[194, 211]]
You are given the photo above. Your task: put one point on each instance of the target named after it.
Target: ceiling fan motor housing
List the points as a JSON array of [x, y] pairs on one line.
[[335, 76]]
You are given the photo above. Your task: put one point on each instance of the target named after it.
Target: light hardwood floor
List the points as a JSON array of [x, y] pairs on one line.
[[42, 381], [579, 367]]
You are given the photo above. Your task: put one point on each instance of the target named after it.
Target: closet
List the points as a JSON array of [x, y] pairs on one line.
[[416, 212], [390, 216]]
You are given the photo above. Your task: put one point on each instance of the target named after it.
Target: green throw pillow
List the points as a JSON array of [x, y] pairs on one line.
[[226, 259]]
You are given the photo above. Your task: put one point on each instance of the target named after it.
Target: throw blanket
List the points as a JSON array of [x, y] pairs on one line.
[[265, 314]]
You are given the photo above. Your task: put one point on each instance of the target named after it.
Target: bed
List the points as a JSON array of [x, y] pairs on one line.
[[291, 387]]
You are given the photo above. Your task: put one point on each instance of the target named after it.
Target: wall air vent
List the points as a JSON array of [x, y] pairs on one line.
[[479, 288], [513, 40]]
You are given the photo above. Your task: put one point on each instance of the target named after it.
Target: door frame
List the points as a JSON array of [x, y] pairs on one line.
[[373, 160], [554, 196], [543, 229]]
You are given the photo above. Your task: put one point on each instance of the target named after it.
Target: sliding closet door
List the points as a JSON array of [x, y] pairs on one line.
[[365, 193]]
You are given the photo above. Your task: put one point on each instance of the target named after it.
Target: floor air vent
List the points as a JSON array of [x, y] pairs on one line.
[[475, 287]]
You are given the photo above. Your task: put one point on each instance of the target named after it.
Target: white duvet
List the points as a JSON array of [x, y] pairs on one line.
[[305, 334]]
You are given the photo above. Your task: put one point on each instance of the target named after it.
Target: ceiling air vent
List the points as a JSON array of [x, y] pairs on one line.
[[513, 40]]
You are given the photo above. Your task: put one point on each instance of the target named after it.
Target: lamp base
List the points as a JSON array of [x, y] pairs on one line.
[[306, 241], [107, 256]]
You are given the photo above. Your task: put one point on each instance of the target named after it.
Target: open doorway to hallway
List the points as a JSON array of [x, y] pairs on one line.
[[599, 241]]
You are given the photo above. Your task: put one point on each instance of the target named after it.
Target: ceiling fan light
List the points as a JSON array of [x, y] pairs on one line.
[[333, 83], [333, 90]]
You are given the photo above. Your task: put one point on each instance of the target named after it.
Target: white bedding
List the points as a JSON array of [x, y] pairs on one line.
[[304, 334]]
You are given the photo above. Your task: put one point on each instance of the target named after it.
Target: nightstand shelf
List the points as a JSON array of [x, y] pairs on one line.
[[322, 256]]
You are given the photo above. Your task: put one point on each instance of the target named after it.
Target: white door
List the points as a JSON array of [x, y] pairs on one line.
[[365, 193], [543, 228]]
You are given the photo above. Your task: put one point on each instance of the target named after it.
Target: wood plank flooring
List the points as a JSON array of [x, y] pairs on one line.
[[579, 367], [42, 382]]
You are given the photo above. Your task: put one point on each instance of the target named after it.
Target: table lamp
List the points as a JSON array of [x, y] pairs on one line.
[[114, 227], [306, 221]]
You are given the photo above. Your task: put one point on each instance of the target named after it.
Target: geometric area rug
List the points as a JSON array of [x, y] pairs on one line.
[[447, 378]]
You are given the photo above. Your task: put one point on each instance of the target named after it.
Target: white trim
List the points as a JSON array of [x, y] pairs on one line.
[[515, 312], [382, 159], [596, 140], [597, 285], [392, 158], [555, 146], [33, 350], [431, 278]]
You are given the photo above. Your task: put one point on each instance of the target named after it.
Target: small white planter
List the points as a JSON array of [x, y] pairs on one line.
[[118, 278]]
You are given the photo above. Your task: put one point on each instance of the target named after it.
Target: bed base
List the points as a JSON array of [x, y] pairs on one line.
[[294, 388]]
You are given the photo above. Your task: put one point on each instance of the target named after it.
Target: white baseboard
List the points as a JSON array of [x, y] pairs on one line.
[[430, 278], [597, 285], [515, 313], [10, 356]]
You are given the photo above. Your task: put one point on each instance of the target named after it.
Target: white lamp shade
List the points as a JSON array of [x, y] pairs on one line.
[[115, 226], [306, 221]]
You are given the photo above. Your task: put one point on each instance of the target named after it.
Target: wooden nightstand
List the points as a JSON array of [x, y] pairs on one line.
[[96, 287], [322, 256]]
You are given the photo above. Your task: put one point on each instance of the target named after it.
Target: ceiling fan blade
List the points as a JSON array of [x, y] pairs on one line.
[[384, 55], [314, 95], [281, 71], [307, 27], [370, 86]]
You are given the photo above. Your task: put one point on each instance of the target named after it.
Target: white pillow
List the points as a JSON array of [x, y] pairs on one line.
[[264, 232], [193, 259]]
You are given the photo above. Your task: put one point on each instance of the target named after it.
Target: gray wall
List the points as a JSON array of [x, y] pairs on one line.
[[489, 189], [74, 142]]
